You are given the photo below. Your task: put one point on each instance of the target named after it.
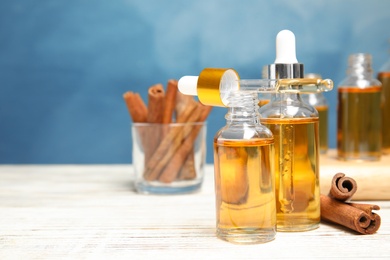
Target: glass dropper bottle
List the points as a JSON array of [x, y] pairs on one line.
[[243, 161], [384, 78], [295, 126], [359, 115]]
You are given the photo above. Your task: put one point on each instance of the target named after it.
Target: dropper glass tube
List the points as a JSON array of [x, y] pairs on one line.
[[319, 102]]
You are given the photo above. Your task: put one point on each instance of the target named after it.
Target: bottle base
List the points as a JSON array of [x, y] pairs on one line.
[[148, 188], [246, 236], [360, 159], [297, 227]]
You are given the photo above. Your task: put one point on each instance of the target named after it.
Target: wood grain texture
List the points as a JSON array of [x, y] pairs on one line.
[[372, 178], [91, 211]]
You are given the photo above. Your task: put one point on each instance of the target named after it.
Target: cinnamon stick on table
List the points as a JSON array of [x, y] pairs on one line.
[[358, 217], [350, 216], [342, 187]]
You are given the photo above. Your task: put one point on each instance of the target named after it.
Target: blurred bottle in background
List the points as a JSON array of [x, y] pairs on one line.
[[359, 115], [264, 98], [318, 101], [384, 77]]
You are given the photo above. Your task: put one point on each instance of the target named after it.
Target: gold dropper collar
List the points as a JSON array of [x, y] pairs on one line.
[[212, 83]]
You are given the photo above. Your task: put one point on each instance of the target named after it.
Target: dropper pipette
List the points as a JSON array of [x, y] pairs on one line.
[[214, 85]]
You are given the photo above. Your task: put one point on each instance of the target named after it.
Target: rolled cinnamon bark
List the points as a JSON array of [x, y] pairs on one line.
[[156, 96], [170, 101], [136, 107], [351, 216], [138, 113], [342, 187], [187, 171], [169, 145], [172, 169]]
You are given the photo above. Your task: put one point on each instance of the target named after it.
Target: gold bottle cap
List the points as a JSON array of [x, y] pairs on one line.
[[214, 85]]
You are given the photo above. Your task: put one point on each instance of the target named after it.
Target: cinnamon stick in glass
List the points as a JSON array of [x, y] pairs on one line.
[[172, 169], [136, 107], [170, 101], [169, 144], [156, 98], [187, 171], [138, 112]]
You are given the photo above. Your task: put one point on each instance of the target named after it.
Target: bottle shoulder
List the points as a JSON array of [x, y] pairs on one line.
[[286, 109], [359, 82], [315, 99], [244, 132], [385, 67]]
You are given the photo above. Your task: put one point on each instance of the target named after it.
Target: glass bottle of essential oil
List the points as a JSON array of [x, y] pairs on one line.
[[264, 97], [359, 116], [319, 102], [244, 174], [384, 77], [295, 127]]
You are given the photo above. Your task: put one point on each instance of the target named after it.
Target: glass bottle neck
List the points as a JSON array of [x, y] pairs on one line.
[[243, 109], [359, 66]]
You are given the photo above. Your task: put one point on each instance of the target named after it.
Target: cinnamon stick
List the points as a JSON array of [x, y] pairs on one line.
[[156, 98], [170, 148], [169, 105], [155, 103], [350, 216], [187, 170], [138, 113], [170, 101], [342, 187], [169, 145], [136, 107], [171, 171]]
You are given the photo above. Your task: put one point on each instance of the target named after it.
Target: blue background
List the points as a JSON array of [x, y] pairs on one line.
[[65, 64]]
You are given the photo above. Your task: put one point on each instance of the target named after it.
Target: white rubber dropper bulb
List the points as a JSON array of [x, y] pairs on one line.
[[188, 85], [285, 48]]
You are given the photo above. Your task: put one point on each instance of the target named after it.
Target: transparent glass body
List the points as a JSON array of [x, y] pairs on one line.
[[359, 115], [294, 125], [319, 102], [384, 78], [152, 174], [244, 175]]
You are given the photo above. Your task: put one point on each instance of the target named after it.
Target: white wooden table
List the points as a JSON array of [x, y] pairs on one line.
[[91, 211]]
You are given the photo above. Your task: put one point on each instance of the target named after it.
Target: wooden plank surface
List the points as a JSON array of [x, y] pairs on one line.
[[373, 178], [91, 211]]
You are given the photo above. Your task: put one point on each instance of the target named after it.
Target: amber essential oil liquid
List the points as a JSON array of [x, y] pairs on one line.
[[384, 77], [323, 117], [359, 123], [245, 190], [296, 172]]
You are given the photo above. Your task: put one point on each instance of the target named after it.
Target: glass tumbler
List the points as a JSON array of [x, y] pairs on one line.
[[168, 158]]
